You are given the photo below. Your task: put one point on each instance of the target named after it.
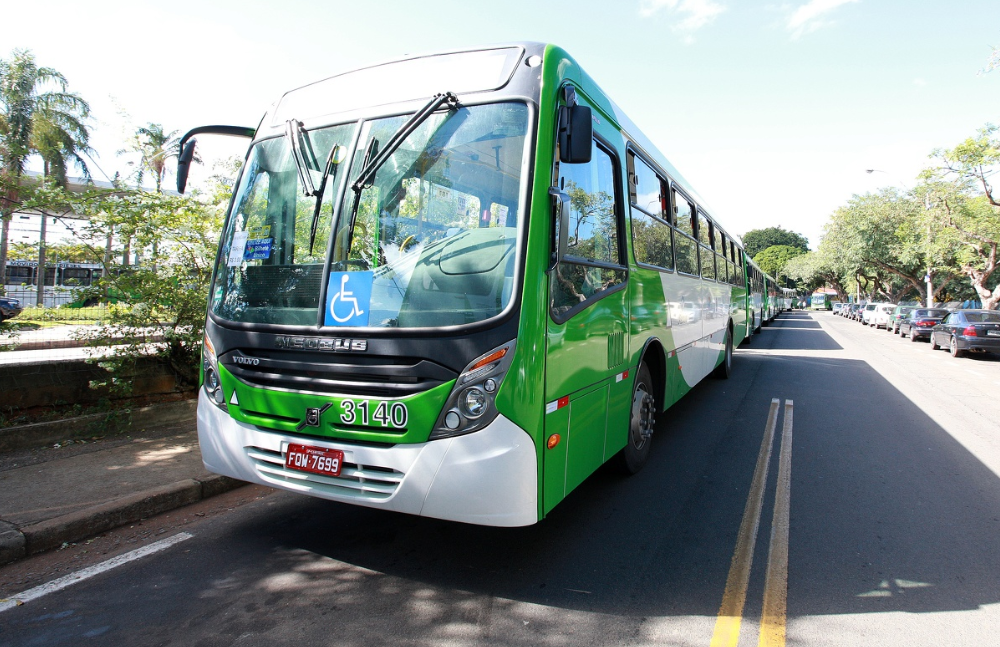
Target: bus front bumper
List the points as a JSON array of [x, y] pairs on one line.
[[488, 477]]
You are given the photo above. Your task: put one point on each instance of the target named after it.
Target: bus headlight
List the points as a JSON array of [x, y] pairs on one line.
[[210, 369], [474, 402], [471, 404]]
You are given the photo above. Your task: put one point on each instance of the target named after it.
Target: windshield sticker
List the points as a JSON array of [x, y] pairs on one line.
[[237, 249], [348, 299], [258, 249], [257, 233], [501, 215], [484, 220]]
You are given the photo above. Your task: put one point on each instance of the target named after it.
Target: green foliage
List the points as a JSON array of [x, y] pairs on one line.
[[960, 197], [757, 240], [774, 259], [159, 306]]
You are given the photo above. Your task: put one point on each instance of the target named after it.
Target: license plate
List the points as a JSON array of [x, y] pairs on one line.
[[993, 333], [317, 460]]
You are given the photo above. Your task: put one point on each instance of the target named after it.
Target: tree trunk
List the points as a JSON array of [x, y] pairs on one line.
[[979, 277], [4, 233]]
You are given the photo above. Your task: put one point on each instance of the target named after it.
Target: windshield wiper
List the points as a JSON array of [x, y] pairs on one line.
[[293, 130], [375, 158], [330, 170], [397, 139]]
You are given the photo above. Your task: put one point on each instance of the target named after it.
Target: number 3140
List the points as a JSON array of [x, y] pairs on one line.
[[365, 412]]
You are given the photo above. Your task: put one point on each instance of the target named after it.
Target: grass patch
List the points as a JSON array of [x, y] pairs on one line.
[[62, 316]]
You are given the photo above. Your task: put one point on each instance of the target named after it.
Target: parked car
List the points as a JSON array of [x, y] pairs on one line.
[[879, 318], [965, 330], [920, 321], [9, 308], [838, 307], [897, 316], [868, 311], [854, 314]]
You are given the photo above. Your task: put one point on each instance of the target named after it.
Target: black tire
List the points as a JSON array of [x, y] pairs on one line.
[[953, 347], [725, 369], [934, 344], [642, 417], [912, 336]]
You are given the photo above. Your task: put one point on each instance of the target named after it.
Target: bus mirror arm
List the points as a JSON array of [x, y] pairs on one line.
[[560, 204], [187, 144]]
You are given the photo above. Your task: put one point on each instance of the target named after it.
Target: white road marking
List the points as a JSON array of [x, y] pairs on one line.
[[97, 569]]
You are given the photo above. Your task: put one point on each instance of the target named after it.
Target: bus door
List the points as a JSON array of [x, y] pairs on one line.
[[587, 336]]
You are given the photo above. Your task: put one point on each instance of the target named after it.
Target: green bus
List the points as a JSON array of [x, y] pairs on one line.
[[456, 285], [821, 301]]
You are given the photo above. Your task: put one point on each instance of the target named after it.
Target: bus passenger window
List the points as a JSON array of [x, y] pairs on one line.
[[650, 232]]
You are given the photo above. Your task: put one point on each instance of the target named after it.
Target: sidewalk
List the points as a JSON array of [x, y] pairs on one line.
[[73, 491]]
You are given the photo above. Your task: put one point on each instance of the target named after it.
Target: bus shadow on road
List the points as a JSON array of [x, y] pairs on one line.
[[792, 331]]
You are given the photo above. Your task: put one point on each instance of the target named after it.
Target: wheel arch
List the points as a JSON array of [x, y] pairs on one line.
[[654, 356]]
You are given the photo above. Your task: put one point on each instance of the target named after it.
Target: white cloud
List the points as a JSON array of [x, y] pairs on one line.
[[694, 14], [812, 16]]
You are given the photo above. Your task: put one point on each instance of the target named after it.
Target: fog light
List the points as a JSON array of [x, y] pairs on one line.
[[474, 402], [219, 396], [452, 420], [211, 379]]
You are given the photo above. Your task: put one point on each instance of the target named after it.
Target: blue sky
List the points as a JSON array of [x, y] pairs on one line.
[[773, 110]]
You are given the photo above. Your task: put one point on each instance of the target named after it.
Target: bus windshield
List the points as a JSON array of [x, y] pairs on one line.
[[432, 240]]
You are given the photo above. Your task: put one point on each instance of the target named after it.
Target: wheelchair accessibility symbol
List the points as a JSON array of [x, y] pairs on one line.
[[347, 299]]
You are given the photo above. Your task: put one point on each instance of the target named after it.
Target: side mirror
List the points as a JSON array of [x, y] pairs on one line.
[[560, 204], [184, 165], [187, 148], [576, 134]]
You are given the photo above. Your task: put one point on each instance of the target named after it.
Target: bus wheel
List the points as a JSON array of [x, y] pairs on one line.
[[640, 424], [723, 370]]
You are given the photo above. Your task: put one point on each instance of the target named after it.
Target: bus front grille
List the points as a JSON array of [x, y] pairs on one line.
[[360, 482], [364, 376]]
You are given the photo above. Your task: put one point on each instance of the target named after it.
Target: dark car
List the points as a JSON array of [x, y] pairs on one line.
[[918, 322], [9, 308], [897, 316], [965, 330]]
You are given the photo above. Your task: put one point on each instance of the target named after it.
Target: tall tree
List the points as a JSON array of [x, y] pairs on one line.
[[38, 115], [757, 240], [971, 209], [154, 146], [774, 259]]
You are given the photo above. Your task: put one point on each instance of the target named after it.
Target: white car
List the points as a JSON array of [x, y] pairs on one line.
[[881, 315], [867, 312]]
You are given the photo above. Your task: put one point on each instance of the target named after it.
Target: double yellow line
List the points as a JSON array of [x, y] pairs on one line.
[[772, 623]]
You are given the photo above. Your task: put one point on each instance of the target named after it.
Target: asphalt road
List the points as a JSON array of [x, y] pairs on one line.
[[893, 532]]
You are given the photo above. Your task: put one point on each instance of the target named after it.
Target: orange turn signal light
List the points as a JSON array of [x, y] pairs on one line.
[[553, 441], [489, 359]]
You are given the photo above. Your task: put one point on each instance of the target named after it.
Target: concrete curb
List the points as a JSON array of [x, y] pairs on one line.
[[16, 543]]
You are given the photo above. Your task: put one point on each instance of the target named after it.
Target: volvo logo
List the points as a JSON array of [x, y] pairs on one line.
[[332, 344], [246, 361]]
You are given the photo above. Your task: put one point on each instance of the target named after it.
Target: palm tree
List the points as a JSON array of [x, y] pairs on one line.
[[155, 147], [37, 116]]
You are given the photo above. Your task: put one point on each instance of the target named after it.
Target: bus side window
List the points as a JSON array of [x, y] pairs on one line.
[[685, 247], [593, 240]]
